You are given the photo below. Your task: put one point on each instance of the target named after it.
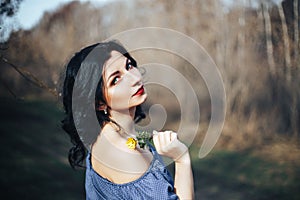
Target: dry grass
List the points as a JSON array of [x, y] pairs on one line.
[[240, 135], [280, 150]]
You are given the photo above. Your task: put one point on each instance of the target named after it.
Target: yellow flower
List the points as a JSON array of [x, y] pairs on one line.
[[131, 143]]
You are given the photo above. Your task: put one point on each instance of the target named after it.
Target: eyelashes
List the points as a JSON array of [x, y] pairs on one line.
[[115, 80], [130, 64]]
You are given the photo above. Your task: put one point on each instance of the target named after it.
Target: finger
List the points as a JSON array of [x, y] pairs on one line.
[[166, 137], [173, 136], [156, 140], [160, 137], [154, 132]]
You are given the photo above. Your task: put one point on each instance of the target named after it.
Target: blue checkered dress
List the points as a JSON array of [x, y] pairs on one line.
[[156, 183]]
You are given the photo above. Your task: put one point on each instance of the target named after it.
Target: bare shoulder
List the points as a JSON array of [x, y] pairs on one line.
[[121, 171], [112, 159]]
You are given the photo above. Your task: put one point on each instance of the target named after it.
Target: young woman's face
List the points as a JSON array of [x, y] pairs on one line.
[[123, 85]]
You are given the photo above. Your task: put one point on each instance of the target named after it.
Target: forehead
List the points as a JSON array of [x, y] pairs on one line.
[[116, 61]]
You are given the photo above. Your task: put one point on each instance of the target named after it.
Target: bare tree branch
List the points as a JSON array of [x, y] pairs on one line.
[[8, 89], [30, 77]]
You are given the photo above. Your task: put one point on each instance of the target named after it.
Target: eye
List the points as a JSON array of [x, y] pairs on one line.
[[115, 80], [129, 64]]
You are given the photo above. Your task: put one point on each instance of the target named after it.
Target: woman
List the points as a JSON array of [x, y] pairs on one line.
[[114, 168]]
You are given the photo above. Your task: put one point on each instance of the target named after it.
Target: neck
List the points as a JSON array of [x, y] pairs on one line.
[[125, 119]]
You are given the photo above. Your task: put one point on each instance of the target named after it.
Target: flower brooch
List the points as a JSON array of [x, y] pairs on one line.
[[131, 143], [142, 138]]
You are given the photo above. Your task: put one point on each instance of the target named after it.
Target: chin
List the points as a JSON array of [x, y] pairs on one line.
[[139, 101], [144, 97]]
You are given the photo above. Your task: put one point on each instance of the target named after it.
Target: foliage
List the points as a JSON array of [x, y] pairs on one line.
[[7, 11], [9, 7]]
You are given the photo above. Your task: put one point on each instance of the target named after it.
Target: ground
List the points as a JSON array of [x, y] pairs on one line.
[[34, 162]]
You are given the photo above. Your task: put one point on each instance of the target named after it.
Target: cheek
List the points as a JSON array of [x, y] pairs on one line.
[[118, 97]]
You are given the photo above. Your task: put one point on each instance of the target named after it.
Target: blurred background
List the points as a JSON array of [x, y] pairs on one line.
[[255, 44]]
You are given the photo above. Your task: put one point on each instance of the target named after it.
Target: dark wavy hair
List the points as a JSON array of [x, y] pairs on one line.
[[78, 152]]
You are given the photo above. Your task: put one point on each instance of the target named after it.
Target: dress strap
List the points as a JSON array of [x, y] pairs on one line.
[[153, 150]]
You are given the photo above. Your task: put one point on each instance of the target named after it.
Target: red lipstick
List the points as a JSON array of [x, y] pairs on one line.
[[140, 91]]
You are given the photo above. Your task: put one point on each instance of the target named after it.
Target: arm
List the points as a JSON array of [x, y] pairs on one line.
[[167, 144], [184, 182]]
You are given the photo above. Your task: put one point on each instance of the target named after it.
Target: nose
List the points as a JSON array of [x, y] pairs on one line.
[[135, 77]]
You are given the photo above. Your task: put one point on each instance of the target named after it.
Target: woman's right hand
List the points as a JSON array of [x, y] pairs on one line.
[[167, 144]]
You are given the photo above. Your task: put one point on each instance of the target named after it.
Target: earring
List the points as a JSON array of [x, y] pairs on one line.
[[105, 112]]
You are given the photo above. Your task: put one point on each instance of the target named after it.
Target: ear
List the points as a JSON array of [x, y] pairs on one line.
[[101, 107]]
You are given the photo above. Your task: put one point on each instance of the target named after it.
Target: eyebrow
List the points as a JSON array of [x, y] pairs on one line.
[[113, 74], [116, 72]]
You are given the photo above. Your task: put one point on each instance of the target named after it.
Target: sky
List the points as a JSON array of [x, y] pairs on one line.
[[31, 11]]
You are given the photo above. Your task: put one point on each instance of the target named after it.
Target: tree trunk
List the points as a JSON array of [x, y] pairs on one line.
[[294, 116], [268, 33], [295, 111], [287, 55], [241, 35], [296, 34]]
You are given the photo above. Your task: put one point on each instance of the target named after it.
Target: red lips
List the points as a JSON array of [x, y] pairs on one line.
[[140, 91]]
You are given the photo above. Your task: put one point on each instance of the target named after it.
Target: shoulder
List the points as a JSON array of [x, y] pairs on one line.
[[117, 175], [117, 164]]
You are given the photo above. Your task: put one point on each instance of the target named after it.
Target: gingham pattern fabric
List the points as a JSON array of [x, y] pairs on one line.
[[156, 184]]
